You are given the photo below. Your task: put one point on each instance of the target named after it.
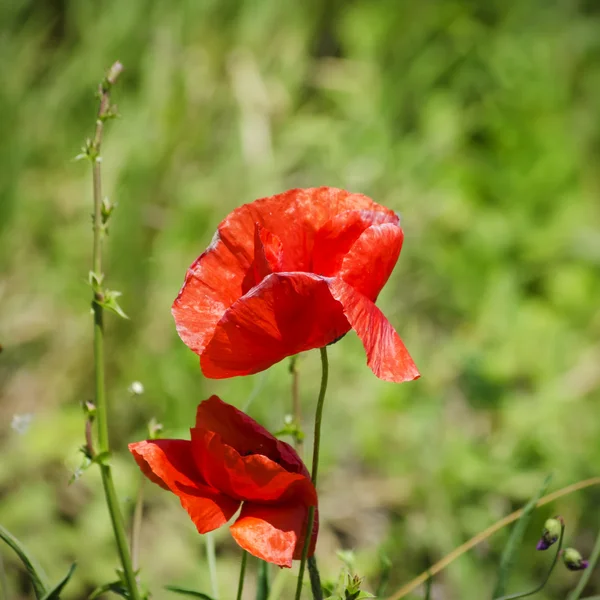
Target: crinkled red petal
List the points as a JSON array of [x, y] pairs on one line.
[[170, 464], [245, 435], [212, 284], [255, 478], [336, 237], [294, 216], [268, 257], [273, 533], [386, 354], [285, 314], [370, 261]]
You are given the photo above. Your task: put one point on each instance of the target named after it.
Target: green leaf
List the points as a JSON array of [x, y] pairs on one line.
[[514, 541], [428, 588], [186, 592], [54, 594], [262, 584], [39, 580], [116, 587], [386, 569], [110, 303]]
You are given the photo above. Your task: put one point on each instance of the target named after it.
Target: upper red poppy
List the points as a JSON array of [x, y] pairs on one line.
[[290, 273], [232, 460]]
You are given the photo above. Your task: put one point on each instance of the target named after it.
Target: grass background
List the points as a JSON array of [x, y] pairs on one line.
[[477, 121]]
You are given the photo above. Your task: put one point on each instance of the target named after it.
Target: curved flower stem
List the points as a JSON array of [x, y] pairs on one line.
[[101, 409], [242, 575], [585, 576], [315, 468], [486, 533], [540, 587], [211, 557]]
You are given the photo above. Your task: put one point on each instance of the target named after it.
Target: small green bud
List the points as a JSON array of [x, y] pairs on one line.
[[89, 409], [550, 533], [573, 560]]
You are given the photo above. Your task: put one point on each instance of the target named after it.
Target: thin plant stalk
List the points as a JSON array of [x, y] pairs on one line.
[[242, 575], [587, 573], [211, 557], [542, 585], [315, 578], [112, 500], [315, 466], [486, 533]]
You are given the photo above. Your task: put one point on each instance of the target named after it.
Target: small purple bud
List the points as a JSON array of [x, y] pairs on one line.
[[550, 533], [542, 545], [573, 560]]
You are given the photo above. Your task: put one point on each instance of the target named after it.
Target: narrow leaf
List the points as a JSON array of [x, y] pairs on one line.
[[54, 593], [36, 573], [262, 585], [428, 588], [384, 577], [186, 592], [116, 587], [514, 541]]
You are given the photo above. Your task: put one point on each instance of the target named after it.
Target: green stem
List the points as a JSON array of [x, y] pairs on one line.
[[315, 578], [211, 557], [543, 584], [242, 575], [585, 576], [110, 493], [315, 467]]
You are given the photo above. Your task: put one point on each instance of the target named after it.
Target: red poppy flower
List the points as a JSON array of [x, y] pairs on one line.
[[290, 273], [232, 461]]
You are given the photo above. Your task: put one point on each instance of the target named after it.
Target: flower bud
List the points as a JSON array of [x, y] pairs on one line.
[[550, 533], [573, 560]]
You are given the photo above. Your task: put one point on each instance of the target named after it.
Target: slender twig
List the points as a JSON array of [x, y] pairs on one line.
[[315, 467], [483, 535], [296, 406], [211, 557], [585, 576], [542, 585], [242, 575], [101, 408]]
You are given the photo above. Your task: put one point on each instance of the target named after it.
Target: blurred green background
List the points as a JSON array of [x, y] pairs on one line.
[[477, 120]]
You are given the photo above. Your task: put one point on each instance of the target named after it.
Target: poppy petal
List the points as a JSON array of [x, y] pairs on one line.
[[285, 314], [387, 356], [335, 239], [254, 477], [295, 216], [170, 464], [212, 284], [372, 258], [268, 257], [243, 433], [273, 533]]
